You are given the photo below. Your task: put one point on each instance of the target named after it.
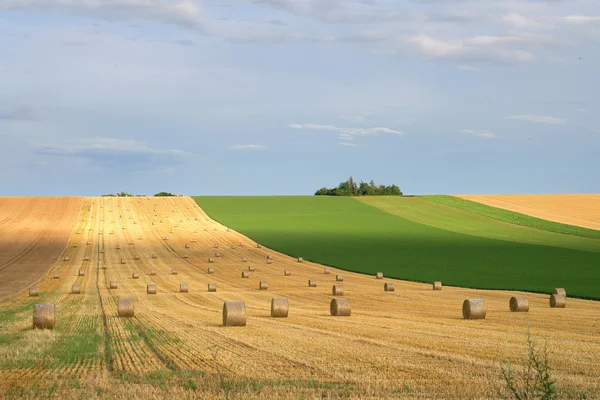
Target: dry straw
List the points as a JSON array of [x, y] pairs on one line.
[[173, 271], [81, 272], [151, 288], [234, 313], [125, 307], [379, 275], [558, 301], [287, 272], [339, 278], [340, 307], [212, 287], [437, 285], [211, 270], [114, 284], [388, 287], [263, 285], [279, 307], [76, 288], [473, 309], [245, 274], [518, 304], [312, 283], [183, 287], [560, 292], [34, 291], [44, 316], [337, 290], [135, 275]]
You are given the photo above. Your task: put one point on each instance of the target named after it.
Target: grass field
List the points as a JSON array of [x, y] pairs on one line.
[[358, 237]]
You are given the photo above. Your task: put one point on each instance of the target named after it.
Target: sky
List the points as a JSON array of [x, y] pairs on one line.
[[282, 97]]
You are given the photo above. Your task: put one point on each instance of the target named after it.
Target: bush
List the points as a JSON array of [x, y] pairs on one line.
[[349, 188], [165, 194]]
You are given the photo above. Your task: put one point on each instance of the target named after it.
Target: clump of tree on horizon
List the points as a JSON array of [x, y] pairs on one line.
[[165, 194], [121, 194], [350, 188]]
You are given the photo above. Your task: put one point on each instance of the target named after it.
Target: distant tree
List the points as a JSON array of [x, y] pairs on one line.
[[350, 188], [165, 194]]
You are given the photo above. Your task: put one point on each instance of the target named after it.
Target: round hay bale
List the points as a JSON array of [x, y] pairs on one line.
[[136, 257], [34, 291], [233, 247], [389, 287], [114, 284], [183, 287], [279, 307], [153, 272], [135, 275], [340, 307], [263, 285], [131, 243], [216, 246], [81, 272], [212, 287], [125, 307], [234, 313], [560, 292], [210, 260], [173, 271], [217, 254], [474, 309], [165, 238], [123, 261], [437, 285], [103, 265], [186, 255], [154, 256], [67, 258], [89, 242], [56, 275], [312, 283], [245, 274], [379, 275], [244, 259], [258, 246], [558, 301], [153, 223], [44, 316], [300, 259], [151, 288], [287, 272], [251, 268], [269, 261], [339, 278], [337, 290], [76, 288], [269, 257], [118, 247], [86, 258], [326, 271], [187, 246], [211, 270], [518, 304]]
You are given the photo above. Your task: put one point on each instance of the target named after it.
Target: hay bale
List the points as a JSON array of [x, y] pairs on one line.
[[165, 238], [269, 261], [560, 292], [269, 257], [56, 275], [389, 287], [103, 266], [300, 259], [89, 242], [186, 255], [217, 254], [187, 246], [233, 247], [136, 257], [337, 290], [44, 316], [76, 288], [312, 283], [245, 274], [558, 301], [66, 258], [114, 284], [326, 271], [118, 247], [135, 275], [287, 272], [211, 270], [279, 307], [234, 313], [125, 307], [379, 275], [258, 246], [86, 259], [153, 272], [339, 278], [81, 272], [173, 271], [216, 246], [212, 287], [183, 287], [131, 243], [210, 260], [474, 309], [263, 285], [251, 268], [437, 285], [244, 259], [123, 261], [340, 307], [154, 256], [34, 291], [151, 288], [518, 304]]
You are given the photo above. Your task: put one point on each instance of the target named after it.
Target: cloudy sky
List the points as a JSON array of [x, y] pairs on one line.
[[286, 96]]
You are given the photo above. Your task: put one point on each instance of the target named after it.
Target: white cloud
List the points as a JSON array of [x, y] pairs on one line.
[[248, 147], [582, 19], [346, 136], [484, 133], [539, 119], [347, 144], [349, 131], [463, 67], [21, 113]]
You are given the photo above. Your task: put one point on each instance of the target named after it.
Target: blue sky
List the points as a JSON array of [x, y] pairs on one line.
[[286, 96]]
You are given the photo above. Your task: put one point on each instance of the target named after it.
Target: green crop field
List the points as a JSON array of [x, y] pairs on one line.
[[415, 239]]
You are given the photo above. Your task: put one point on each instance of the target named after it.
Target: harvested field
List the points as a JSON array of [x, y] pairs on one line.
[[573, 209], [411, 343]]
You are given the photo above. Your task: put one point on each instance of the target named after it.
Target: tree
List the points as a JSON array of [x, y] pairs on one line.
[[350, 188], [164, 194]]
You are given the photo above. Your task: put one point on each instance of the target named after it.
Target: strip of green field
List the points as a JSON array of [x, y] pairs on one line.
[[514, 217], [425, 211], [352, 235]]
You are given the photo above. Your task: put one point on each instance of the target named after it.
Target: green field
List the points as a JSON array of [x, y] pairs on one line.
[[415, 239]]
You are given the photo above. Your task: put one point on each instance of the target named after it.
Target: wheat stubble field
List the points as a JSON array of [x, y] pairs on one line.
[[411, 343]]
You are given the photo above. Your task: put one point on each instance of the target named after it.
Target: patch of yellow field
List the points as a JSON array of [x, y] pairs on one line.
[[411, 343], [573, 209]]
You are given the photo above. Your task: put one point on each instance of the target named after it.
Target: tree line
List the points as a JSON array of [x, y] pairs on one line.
[[125, 194], [351, 188]]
